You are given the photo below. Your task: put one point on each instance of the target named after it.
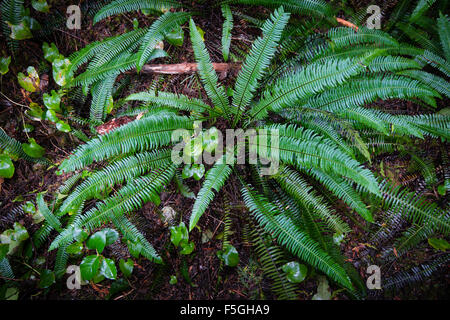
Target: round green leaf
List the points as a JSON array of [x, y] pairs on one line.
[[20, 31], [79, 234], [40, 5], [173, 280], [126, 267], [295, 272], [4, 65], [187, 248], [89, 267], [175, 36], [179, 234], [198, 171], [28, 207], [51, 52], [6, 167], [35, 112], [51, 116], [111, 236], [439, 244], [63, 126], [47, 279], [97, 241], [33, 149], [60, 69], [30, 82], [187, 172], [75, 248], [108, 269], [52, 101], [229, 256]]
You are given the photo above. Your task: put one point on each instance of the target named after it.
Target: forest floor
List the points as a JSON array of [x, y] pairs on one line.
[[200, 275]]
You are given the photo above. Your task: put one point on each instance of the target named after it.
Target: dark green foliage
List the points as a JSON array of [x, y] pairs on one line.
[[316, 102]]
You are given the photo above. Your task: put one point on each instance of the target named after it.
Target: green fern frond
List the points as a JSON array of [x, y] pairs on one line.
[[272, 257], [50, 218], [139, 135], [443, 24], [101, 98], [257, 61], [130, 232], [305, 7], [206, 71], [344, 191], [5, 269], [421, 7], [301, 191], [122, 6], [294, 239], [116, 173], [156, 33], [312, 79], [214, 180], [343, 37], [226, 31], [304, 148], [168, 99], [11, 11], [415, 208], [437, 83]]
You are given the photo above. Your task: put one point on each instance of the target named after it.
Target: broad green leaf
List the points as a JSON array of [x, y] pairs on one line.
[[4, 248], [21, 31], [97, 241], [126, 267], [187, 172], [175, 36], [20, 233], [201, 32], [211, 140], [52, 101], [229, 255], [89, 267], [51, 52], [111, 236], [40, 5], [35, 112], [60, 70], [187, 248], [51, 116], [198, 171], [193, 149], [12, 294], [108, 269], [30, 82], [179, 235], [6, 167], [75, 248], [33, 149], [439, 243], [28, 128], [4, 65], [63, 126], [173, 280], [47, 279], [79, 234], [295, 272]]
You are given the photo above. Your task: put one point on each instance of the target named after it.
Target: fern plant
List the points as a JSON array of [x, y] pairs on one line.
[[315, 122]]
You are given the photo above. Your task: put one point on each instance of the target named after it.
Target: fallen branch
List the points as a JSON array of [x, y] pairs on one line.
[[181, 68]]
